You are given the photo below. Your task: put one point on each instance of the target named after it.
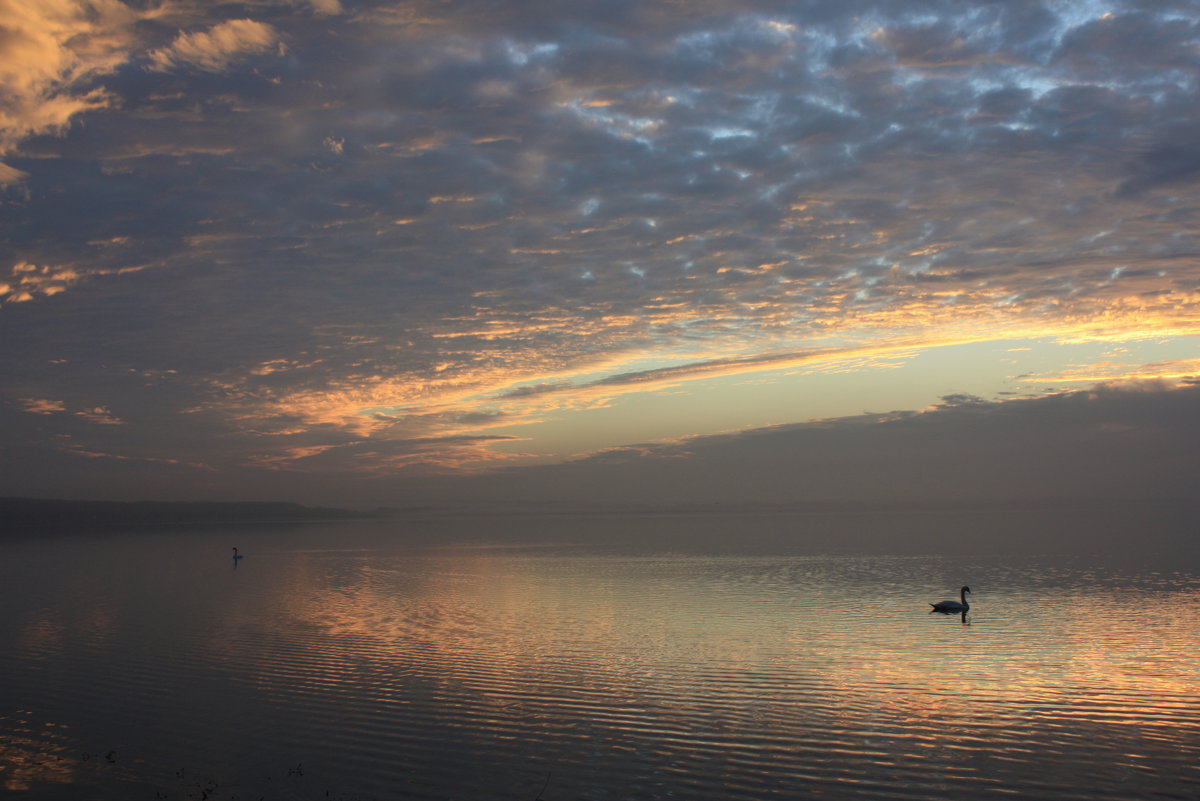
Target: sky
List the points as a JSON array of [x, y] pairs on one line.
[[603, 254]]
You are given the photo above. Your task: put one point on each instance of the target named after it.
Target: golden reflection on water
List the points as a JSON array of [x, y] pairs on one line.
[[657, 630], [626, 672], [33, 753]]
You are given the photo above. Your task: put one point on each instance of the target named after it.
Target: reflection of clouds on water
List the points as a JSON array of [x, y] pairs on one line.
[[638, 665], [52, 630], [41, 637], [781, 648]]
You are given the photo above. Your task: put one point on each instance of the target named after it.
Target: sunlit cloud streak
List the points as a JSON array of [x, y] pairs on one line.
[[218, 48], [310, 236]]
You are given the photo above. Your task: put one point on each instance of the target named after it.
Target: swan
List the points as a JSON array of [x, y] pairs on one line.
[[953, 606], [236, 555]]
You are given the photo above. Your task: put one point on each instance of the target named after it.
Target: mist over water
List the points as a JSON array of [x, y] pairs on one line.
[[705, 657]]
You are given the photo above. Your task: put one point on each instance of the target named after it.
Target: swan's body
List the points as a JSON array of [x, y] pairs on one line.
[[960, 605], [236, 555]]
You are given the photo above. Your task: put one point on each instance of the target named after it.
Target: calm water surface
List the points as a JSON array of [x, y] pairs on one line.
[[718, 657]]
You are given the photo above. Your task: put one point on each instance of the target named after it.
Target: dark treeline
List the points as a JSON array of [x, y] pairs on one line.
[[46, 512]]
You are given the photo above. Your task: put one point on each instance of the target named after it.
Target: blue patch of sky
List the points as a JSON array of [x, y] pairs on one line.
[[521, 54]]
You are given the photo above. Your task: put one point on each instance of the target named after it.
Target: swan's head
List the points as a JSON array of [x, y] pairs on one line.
[[966, 590]]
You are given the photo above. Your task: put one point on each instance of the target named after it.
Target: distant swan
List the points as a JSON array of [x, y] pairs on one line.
[[953, 606], [236, 555]]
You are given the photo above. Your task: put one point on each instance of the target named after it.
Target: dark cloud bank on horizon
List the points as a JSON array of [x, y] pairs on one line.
[[1103, 444], [1108, 443]]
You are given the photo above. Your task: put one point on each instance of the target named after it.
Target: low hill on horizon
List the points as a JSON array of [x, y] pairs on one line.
[[58, 513]]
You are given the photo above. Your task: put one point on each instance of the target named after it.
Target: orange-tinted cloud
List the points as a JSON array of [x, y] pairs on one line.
[[26, 282], [215, 49], [43, 405], [50, 52]]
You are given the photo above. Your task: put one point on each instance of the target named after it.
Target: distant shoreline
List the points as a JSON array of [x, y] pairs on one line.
[[49, 513], [55, 514]]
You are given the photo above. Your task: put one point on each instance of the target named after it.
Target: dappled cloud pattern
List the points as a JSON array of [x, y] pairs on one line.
[[380, 239]]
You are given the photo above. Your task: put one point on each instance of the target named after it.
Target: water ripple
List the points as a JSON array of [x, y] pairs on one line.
[[483, 672]]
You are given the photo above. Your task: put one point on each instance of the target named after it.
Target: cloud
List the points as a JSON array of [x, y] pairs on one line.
[[1172, 160], [51, 51], [11, 175], [1113, 370], [709, 368], [1113, 441], [219, 47], [99, 415], [26, 282], [431, 221], [329, 7], [42, 405]]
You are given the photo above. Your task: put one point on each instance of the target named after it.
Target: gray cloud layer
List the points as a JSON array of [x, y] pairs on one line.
[[1135, 442]]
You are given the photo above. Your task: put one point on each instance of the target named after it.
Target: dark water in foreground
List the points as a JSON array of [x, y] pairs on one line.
[[733, 657]]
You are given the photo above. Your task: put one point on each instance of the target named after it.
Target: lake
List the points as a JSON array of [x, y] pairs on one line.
[[608, 657]]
